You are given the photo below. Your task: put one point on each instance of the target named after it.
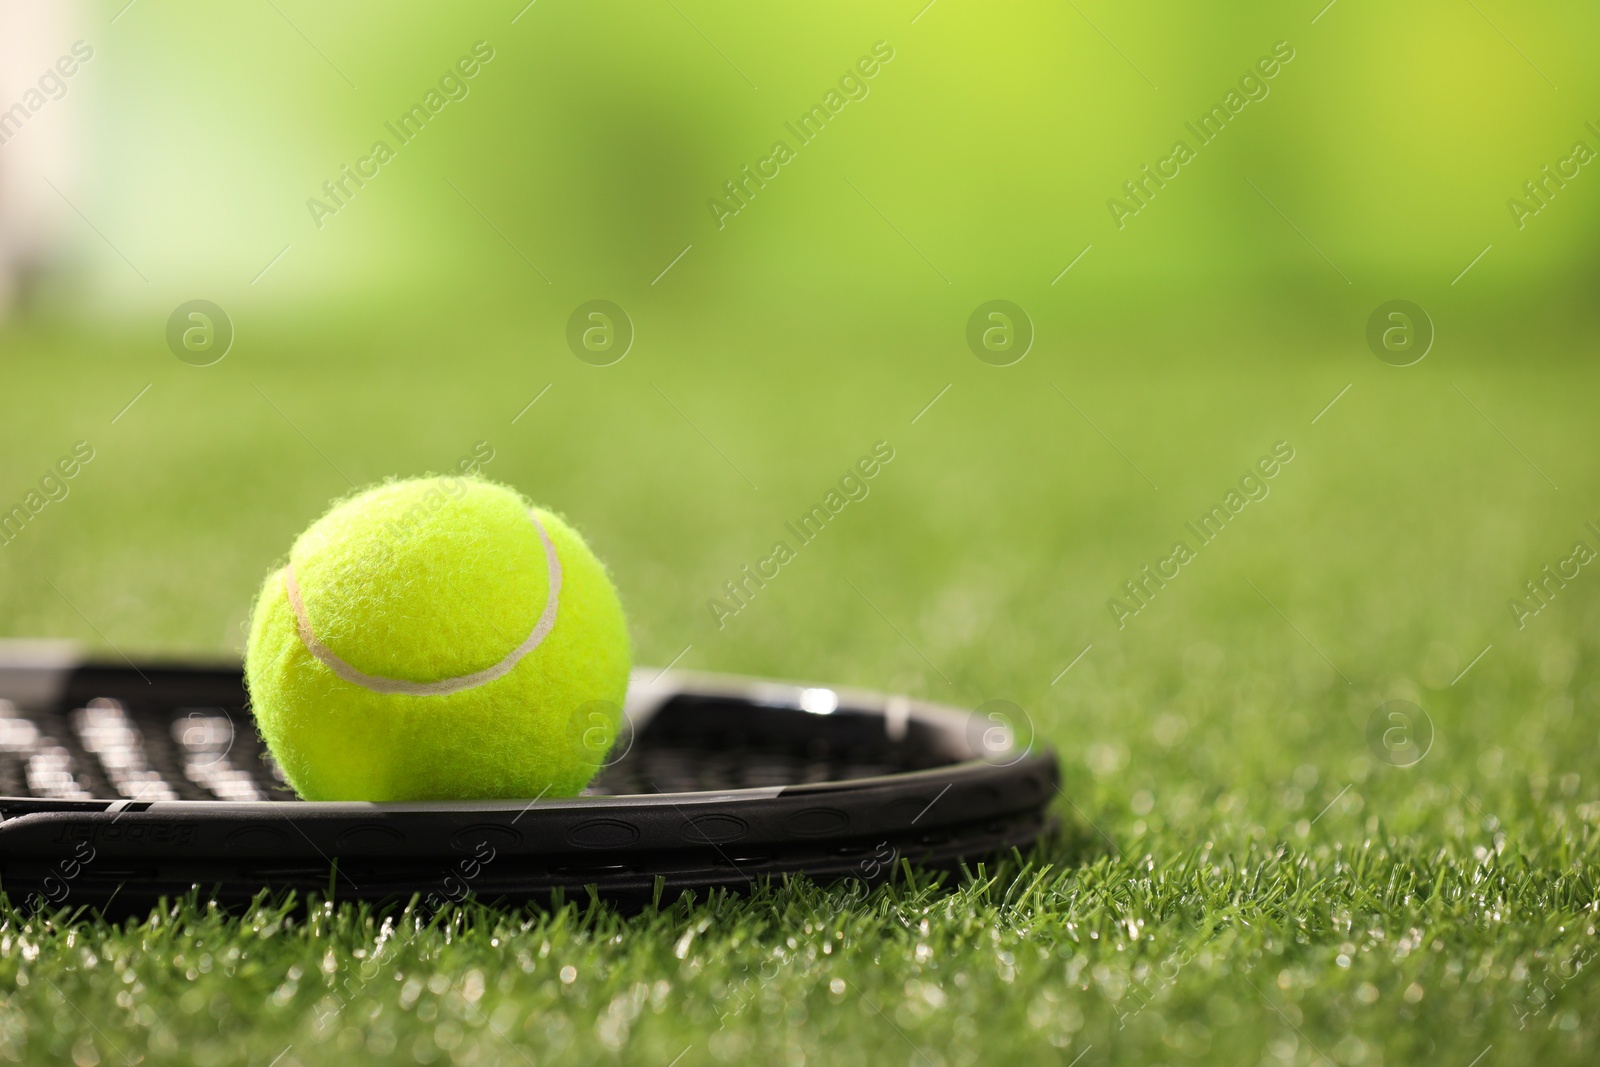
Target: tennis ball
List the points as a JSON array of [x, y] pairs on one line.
[[438, 639]]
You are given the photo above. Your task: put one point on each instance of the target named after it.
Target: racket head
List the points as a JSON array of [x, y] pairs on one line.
[[133, 782]]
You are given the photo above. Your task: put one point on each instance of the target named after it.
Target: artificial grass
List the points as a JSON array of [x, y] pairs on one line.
[[1359, 953], [1240, 876]]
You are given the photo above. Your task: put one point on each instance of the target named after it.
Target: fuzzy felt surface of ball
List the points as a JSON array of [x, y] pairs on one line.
[[438, 639]]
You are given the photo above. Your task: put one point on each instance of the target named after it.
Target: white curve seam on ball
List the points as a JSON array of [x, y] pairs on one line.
[[379, 684]]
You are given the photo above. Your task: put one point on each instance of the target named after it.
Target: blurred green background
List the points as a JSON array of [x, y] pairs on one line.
[[426, 314], [830, 313], [992, 140]]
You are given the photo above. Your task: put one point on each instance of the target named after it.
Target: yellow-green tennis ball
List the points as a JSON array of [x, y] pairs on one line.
[[438, 639]]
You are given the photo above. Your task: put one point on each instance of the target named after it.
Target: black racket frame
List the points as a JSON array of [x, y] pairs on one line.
[[900, 780]]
